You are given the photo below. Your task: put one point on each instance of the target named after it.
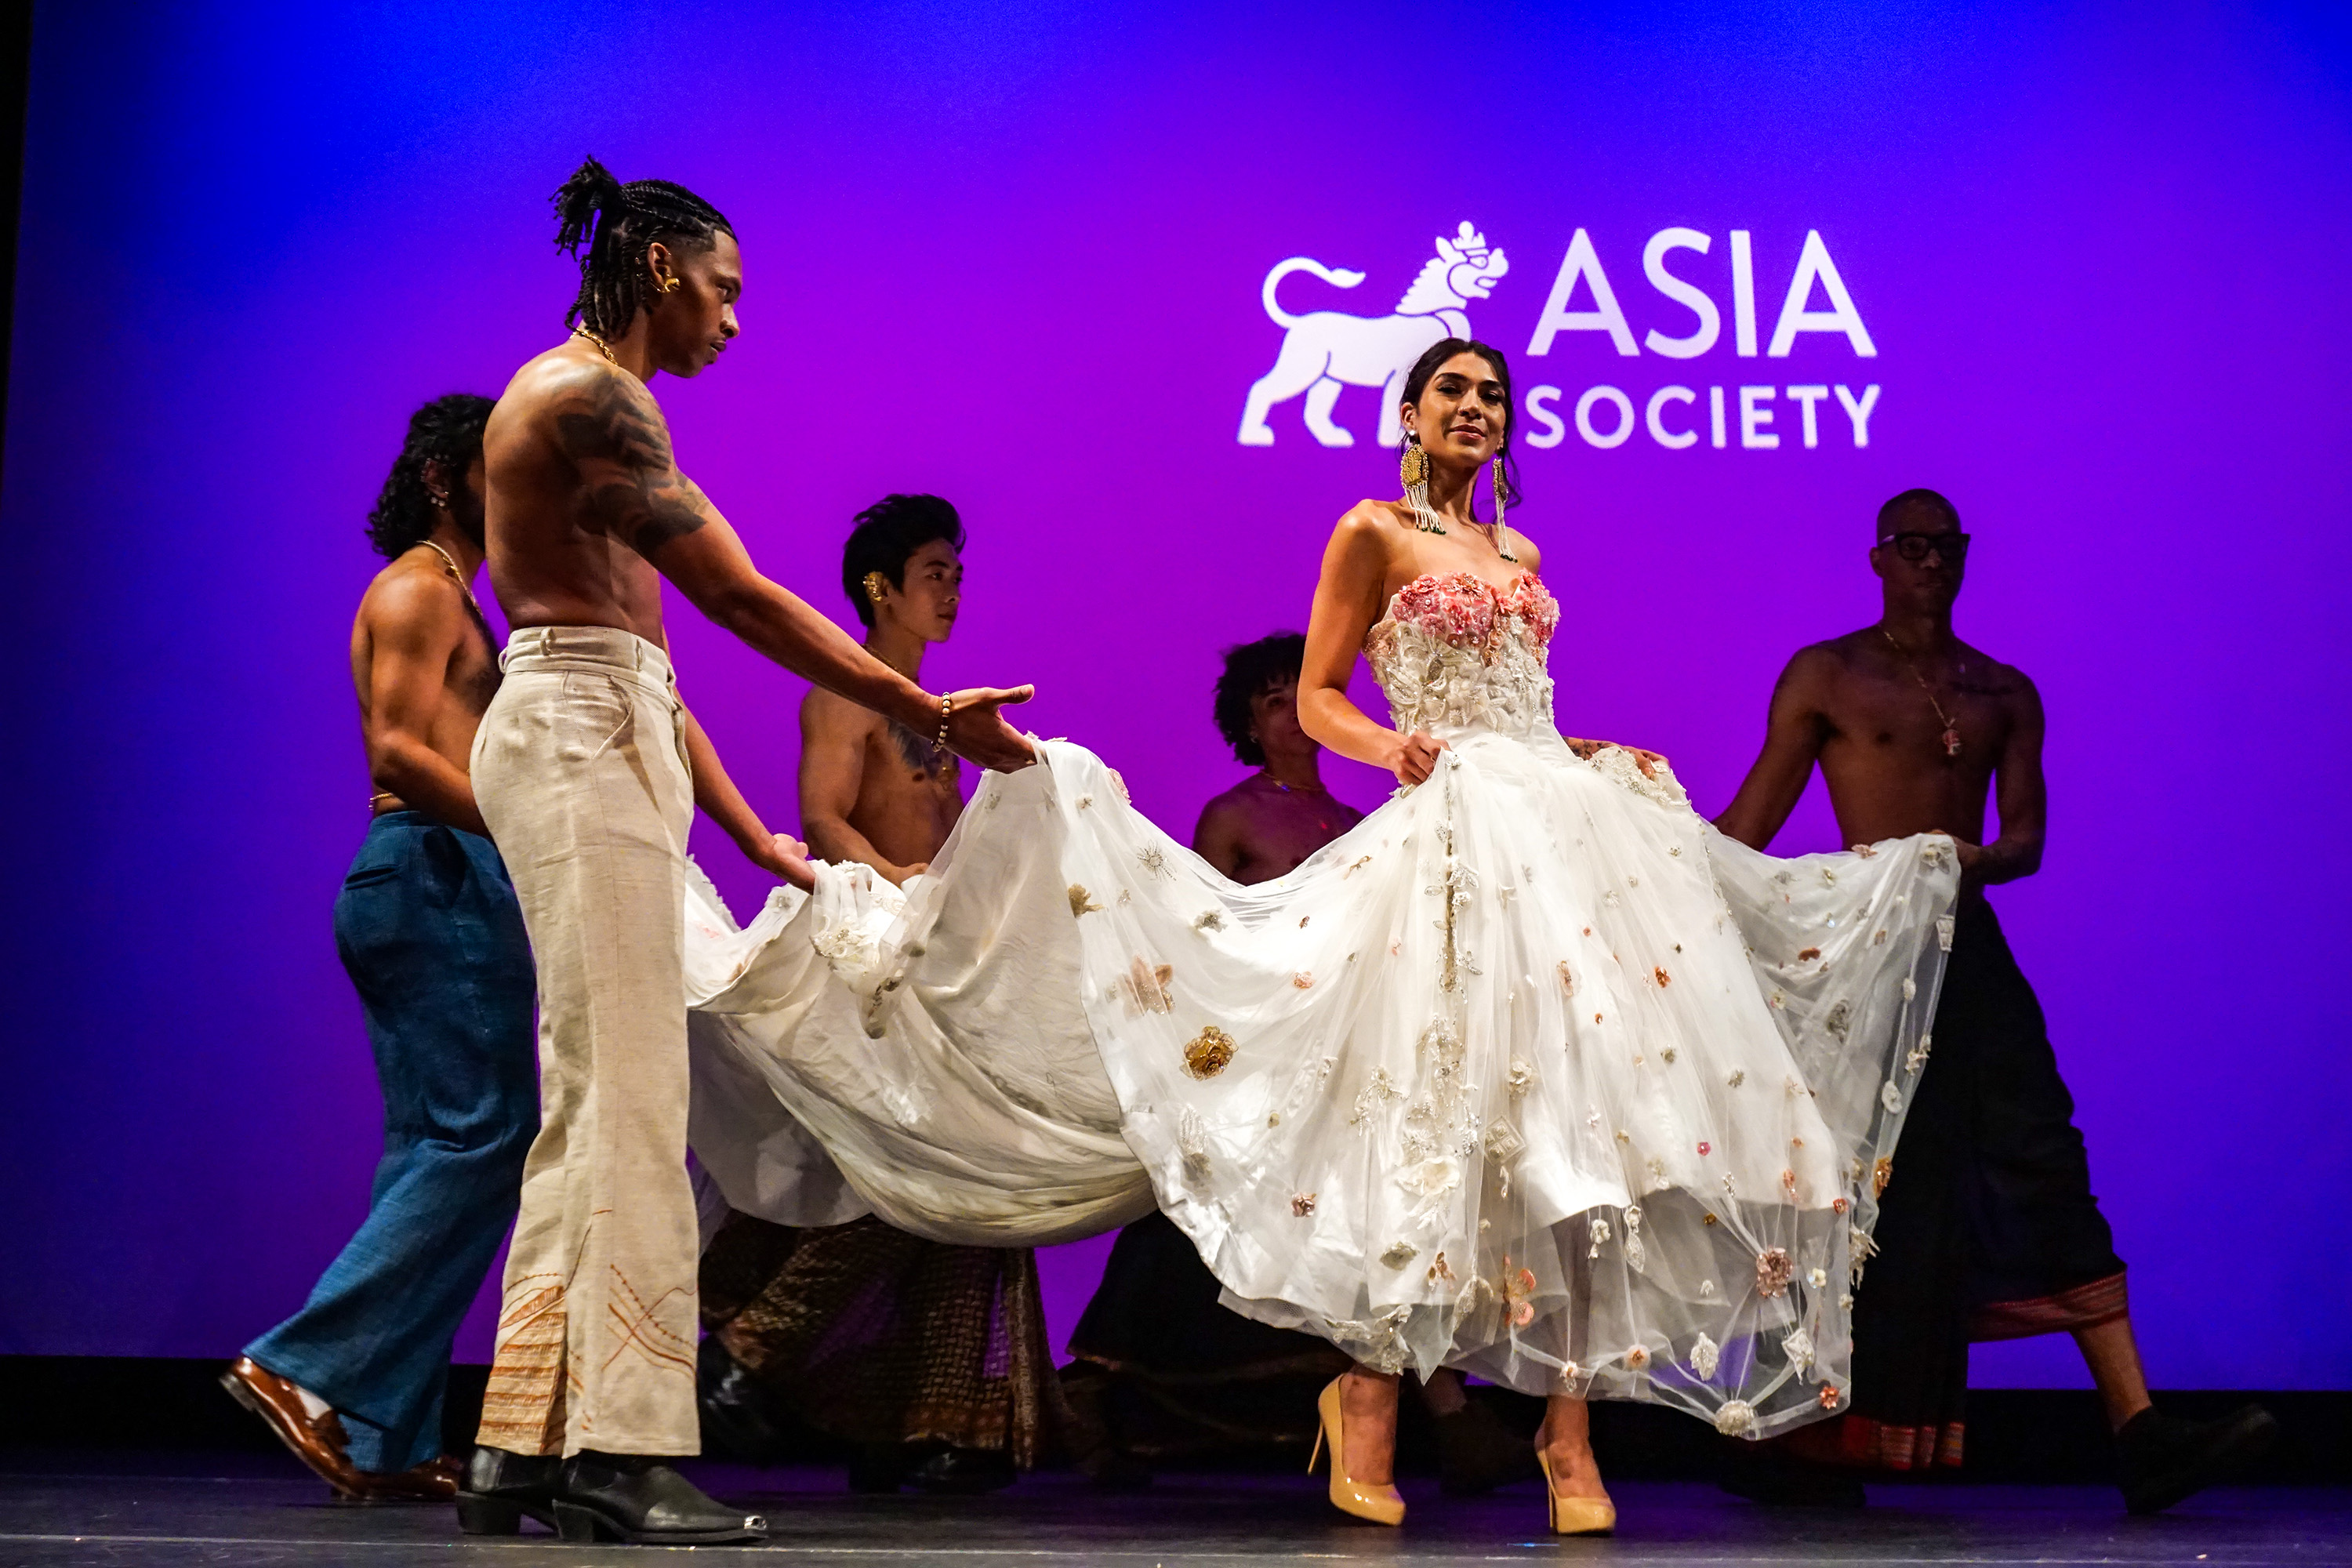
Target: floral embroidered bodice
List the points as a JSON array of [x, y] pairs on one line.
[[1454, 654]]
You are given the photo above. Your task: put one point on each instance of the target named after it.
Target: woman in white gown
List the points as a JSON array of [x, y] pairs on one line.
[[1531, 1073]]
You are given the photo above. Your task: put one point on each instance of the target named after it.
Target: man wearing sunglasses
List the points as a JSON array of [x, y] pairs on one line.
[[1987, 1229]]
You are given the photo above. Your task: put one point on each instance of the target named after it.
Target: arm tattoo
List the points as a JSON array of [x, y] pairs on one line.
[[617, 439]]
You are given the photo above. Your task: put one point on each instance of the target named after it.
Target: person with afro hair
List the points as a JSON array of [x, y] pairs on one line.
[[1272, 820]]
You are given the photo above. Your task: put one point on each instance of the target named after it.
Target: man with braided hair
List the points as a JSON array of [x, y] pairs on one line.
[[588, 769]]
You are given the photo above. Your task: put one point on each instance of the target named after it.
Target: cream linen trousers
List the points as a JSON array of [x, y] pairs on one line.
[[579, 769]]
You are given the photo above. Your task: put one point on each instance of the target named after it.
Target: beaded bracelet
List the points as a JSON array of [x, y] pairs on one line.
[[947, 707]]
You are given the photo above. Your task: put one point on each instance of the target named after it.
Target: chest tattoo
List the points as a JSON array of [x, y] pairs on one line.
[[915, 749]]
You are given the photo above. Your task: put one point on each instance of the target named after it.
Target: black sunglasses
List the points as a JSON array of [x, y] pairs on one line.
[[1952, 547]]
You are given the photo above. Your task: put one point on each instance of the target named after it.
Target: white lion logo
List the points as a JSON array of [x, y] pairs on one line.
[[1326, 350]]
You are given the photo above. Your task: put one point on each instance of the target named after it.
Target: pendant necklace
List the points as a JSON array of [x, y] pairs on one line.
[[1951, 735]]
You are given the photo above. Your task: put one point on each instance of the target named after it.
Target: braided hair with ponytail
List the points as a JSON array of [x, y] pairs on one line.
[[617, 223]]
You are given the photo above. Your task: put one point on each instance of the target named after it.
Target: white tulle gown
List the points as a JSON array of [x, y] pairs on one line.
[[1532, 1073]]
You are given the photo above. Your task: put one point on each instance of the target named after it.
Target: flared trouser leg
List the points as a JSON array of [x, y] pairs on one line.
[[429, 932], [581, 772]]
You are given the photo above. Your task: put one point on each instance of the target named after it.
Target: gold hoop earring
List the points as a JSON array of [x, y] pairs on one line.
[[875, 584]]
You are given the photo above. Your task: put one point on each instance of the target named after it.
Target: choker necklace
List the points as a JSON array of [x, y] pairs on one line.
[[602, 346]]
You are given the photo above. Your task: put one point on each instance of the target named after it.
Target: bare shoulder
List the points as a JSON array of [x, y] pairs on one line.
[[414, 591], [1367, 522], [1368, 539], [1530, 553], [1222, 824], [826, 715], [550, 378], [1818, 666], [586, 403], [1228, 804], [2006, 683]]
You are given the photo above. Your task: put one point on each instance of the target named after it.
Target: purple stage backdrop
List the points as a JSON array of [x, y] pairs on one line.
[[2082, 267]]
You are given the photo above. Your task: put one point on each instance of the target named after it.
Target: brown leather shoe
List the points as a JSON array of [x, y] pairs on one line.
[[434, 1481], [318, 1444]]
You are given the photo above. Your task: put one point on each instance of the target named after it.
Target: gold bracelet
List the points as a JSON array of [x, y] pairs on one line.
[[947, 707]]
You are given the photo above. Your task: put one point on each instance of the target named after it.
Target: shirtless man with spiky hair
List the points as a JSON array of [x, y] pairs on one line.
[[588, 769]]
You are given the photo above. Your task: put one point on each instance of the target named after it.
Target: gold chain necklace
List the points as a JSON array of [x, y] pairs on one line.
[[1293, 789], [1951, 735], [602, 346], [463, 587]]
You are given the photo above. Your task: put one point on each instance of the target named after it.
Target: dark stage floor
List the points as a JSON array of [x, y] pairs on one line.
[[129, 1509]]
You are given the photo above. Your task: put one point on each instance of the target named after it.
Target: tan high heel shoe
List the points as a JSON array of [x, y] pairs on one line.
[[1576, 1515], [1382, 1505]]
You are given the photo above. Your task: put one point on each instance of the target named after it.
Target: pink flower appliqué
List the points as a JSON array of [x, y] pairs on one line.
[[1518, 1291], [1457, 608], [1464, 609], [1537, 610]]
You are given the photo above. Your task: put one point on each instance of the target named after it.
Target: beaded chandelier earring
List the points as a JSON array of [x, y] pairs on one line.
[[1502, 499], [1412, 468]]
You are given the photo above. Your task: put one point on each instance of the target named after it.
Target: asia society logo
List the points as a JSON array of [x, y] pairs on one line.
[[1323, 352]]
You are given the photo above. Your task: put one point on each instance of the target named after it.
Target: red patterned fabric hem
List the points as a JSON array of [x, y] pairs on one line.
[[1856, 1442], [2083, 1307]]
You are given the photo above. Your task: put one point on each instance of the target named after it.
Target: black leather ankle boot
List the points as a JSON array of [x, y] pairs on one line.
[[501, 1488], [2161, 1459], [963, 1472], [878, 1466], [643, 1500], [1763, 1473]]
